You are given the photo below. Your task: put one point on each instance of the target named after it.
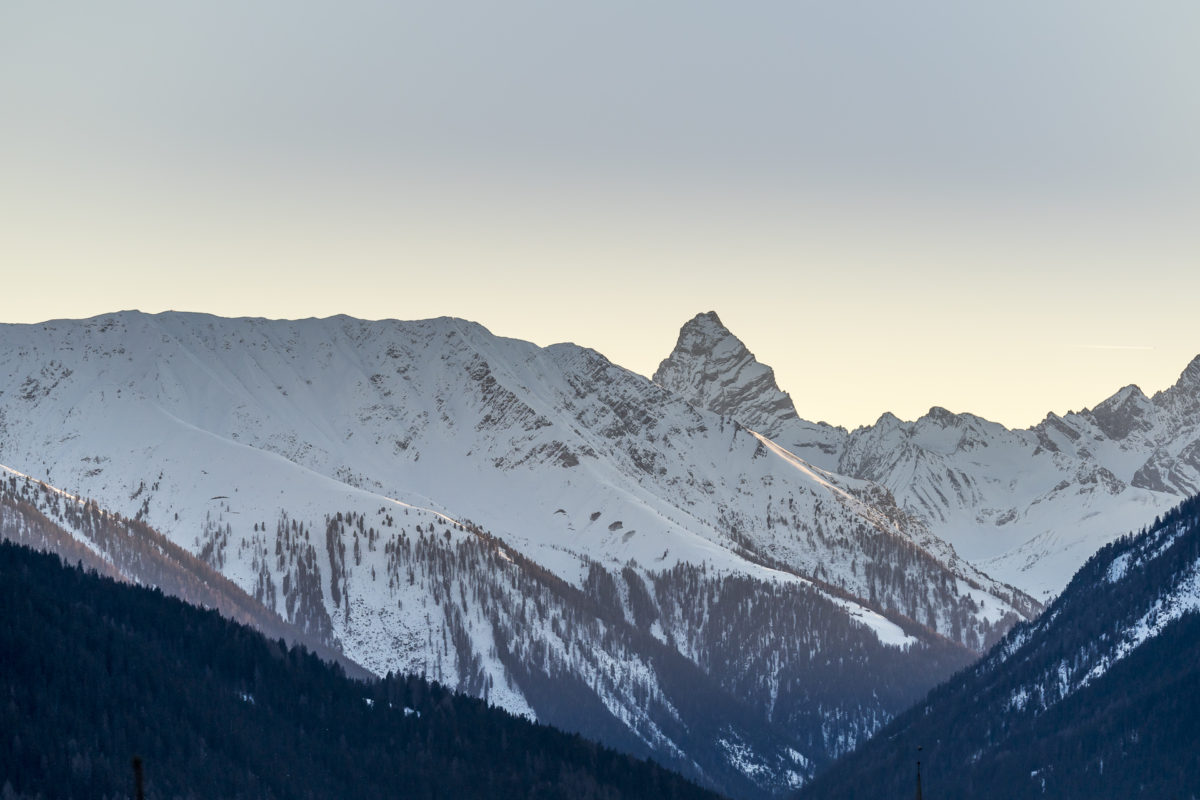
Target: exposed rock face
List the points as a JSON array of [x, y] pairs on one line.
[[712, 369], [1127, 412], [1178, 474]]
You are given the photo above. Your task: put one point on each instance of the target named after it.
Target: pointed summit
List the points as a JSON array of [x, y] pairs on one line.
[[712, 369], [1126, 412], [702, 333], [1183, 398], [707, 320]]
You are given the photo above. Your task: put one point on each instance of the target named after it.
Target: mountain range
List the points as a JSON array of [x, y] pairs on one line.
[[1028, 507], [535, 526], [681, 568]]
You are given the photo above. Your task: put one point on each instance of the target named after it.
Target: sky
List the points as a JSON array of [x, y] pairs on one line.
[[990, 207]]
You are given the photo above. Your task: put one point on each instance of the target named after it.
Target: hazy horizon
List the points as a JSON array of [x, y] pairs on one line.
[[990, 209]]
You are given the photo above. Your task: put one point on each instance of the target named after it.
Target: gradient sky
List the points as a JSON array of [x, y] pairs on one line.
[[989, 207]]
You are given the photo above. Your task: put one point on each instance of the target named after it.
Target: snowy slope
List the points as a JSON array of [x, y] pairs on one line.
[[557, 450], [460, 607], [46, 518], [1026, 506], [430, 497]]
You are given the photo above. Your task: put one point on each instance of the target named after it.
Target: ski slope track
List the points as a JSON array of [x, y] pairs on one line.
[[536, 526], [1027, 507]]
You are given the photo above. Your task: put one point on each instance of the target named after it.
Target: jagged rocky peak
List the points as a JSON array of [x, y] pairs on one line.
[[712, 369], [941, 416], [887, 420], [1127, 411], [1184, 397], [1191, 374]]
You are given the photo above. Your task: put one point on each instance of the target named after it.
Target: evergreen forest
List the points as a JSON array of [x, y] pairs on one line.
[[95, 672]]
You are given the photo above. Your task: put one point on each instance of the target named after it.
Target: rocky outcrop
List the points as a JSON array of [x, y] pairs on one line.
[[712, 369]]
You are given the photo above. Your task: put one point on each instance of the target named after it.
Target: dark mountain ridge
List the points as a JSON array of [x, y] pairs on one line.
[[1096, 698]]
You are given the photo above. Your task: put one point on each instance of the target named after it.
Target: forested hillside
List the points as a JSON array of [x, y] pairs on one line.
[[95, 672], [1097, 698]]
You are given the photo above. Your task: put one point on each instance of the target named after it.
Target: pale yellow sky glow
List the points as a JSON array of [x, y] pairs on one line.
[[884, 234]]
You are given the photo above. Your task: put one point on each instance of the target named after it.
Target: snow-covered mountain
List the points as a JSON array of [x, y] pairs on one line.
[[1026, 506], [1096, 698], [533, 525]]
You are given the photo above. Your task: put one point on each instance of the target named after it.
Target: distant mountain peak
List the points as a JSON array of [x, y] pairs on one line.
[[888, 419], [1127, 393], [707, 317], [1190, 376], [712, 369], [705, 332], [1126, 412], [1184, 396], [942, 416]]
